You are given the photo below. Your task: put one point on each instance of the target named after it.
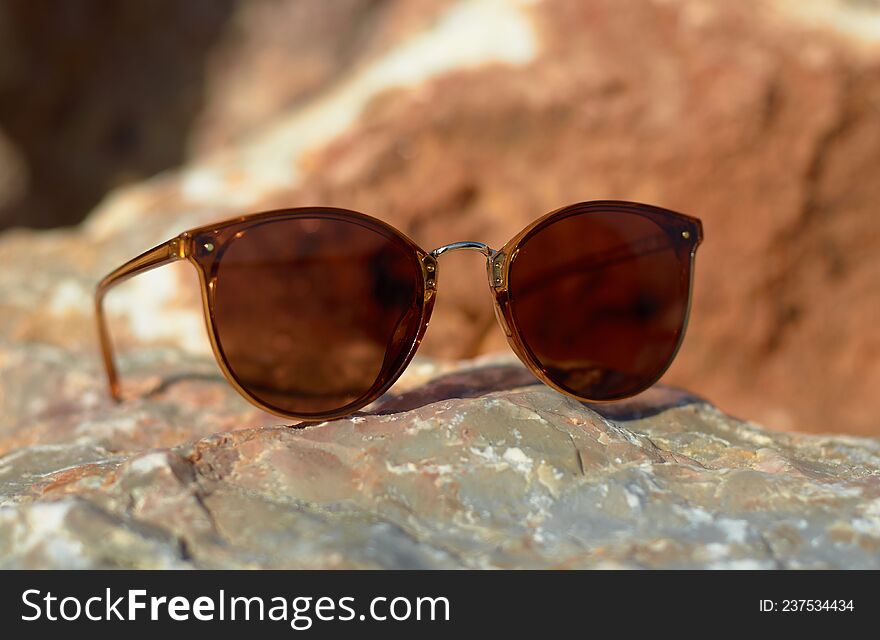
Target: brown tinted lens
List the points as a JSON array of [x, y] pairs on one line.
[[600, 298], [313, 313]]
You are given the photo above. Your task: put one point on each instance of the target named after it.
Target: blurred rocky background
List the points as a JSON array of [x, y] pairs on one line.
[[124, 123], [451, 120]]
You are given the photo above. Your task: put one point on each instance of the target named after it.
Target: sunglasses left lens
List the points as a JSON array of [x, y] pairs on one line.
[[315, 312]]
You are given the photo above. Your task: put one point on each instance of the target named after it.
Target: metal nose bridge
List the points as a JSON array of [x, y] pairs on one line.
[[485, 249]]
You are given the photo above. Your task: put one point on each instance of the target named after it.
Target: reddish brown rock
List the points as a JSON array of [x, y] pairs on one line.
[[764, 128]]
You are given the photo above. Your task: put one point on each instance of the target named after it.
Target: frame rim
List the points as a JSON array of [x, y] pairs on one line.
[[428, 268], [498, 264], [501, 299]]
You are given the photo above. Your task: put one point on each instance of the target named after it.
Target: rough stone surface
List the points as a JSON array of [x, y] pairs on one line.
[[472, 466]]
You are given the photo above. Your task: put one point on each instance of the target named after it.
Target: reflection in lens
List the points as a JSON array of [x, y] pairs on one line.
[[600, 300], [311, 311]]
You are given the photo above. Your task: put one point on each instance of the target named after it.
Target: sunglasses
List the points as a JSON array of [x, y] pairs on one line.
[[314, 312]]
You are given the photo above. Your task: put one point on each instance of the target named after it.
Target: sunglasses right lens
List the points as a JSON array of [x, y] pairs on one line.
[[599, 299], [314, 312]]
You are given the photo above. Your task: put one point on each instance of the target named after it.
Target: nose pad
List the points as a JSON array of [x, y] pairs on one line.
[[500, 317], [401, 335], [494, 271]]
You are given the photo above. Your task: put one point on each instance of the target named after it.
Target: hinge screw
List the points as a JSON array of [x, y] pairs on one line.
[[429, 268], [685, 234], [497, 266]]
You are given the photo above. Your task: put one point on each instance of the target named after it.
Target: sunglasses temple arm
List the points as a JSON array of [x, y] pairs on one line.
[[166, 253]]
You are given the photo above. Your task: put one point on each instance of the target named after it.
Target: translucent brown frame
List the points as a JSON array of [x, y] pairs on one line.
[[187, 246]]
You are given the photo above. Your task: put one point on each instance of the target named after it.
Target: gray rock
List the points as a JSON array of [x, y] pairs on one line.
[[469, 466]]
